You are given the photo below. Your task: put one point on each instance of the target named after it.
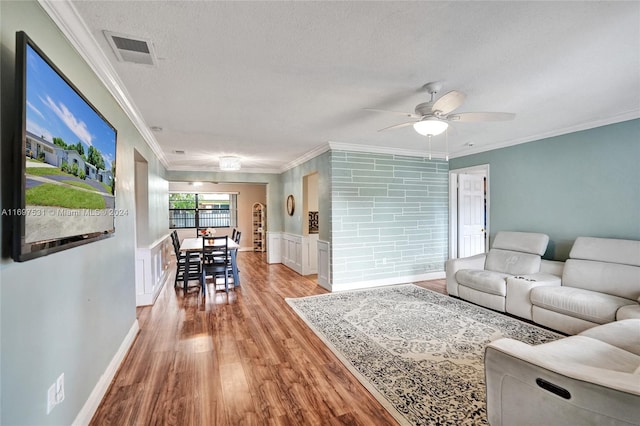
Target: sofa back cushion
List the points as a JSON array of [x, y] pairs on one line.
[[526, 242], [606, 265], [626, 252], [610, 278], [512, 262]]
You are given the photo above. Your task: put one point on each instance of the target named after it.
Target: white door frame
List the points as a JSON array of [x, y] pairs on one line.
[[482, 169]]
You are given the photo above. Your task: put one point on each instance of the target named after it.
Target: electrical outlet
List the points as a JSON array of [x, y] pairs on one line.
[[60, 389], [55, 394], [51, 398]]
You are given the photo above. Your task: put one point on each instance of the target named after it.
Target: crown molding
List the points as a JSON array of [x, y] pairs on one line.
[[340, 146], [73, 27], [618, 118], [217, 170], [305, 157]]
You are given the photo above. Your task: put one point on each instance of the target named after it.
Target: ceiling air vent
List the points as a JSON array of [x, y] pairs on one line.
[[178, 151], [131, 49]]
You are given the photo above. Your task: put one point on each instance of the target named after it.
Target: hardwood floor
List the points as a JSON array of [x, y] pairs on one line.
[[245, 358]]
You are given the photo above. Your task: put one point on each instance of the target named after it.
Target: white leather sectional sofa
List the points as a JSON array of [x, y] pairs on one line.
[[598, 284], [591, 377]]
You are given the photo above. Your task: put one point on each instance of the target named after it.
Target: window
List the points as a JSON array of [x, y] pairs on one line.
[[210, 210]]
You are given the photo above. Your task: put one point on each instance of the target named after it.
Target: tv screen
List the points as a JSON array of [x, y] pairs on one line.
[[65, 172]]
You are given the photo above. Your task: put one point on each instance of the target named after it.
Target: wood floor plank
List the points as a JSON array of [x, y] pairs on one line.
[[238, 358]]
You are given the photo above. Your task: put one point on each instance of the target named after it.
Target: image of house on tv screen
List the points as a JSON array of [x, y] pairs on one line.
[[69, 159]]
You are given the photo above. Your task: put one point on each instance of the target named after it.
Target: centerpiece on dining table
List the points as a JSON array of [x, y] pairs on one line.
[[208, 232]]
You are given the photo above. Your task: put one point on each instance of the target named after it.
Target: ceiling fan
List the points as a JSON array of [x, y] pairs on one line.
[[433, 117]]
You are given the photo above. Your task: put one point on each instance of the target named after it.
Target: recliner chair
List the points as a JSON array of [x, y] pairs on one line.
[[592, 378]]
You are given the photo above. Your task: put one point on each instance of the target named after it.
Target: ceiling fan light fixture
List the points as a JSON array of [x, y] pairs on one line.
[[229, 163], [430, 126]]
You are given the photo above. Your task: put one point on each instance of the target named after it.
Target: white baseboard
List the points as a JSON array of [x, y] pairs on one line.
[[91, 405], [388, 281]]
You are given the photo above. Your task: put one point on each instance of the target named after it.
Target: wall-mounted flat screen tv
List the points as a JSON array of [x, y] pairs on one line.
[[64, 161]]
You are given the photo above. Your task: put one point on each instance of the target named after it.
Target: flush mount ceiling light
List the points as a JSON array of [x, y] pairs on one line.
[[229, 163], [430, 126]]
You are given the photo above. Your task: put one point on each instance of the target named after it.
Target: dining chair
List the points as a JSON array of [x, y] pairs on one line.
[[181, 263], [233, 234], [216, 261], [237, 237]]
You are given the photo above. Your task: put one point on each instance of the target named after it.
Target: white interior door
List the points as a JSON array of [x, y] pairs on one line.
[[471, 215]]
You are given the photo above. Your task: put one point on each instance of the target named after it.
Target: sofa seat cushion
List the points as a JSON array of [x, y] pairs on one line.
[[486, 281], [621, 334], [587, 305], [628, 312]]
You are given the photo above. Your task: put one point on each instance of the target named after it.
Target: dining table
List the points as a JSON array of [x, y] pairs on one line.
[[194, 245]]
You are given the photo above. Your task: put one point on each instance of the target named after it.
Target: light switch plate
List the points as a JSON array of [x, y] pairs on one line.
[[51, 398]]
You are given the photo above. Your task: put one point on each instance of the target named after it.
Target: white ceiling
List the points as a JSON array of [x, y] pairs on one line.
[[273, 81]]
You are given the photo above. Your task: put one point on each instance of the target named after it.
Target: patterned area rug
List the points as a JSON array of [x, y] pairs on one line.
[[420, 353]]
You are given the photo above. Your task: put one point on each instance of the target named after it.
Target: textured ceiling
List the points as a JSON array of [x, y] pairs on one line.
[[272, 81]]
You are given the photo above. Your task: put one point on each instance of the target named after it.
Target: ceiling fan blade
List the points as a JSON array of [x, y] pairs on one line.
[[448, 102], [397, 126], [481, 116], [406, 114]]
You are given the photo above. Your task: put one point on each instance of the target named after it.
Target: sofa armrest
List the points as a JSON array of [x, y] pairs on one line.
[[452, 266], [561, 362], [526, 385], [519, 287]]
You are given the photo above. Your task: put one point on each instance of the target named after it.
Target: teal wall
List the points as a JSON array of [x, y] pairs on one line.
[[585, 183], [389, 216], [292, 184], [69, 311]]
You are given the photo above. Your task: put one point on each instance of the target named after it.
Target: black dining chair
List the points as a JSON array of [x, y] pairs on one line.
[[237, 237], [216, 261], [233, 234], [193, 273]]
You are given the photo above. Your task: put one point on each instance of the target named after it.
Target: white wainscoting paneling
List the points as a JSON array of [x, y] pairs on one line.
[[292, 251], [152, 270], [324, 264], [309, 254], [274, 247]]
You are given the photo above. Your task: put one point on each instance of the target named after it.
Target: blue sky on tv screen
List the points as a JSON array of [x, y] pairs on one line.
[[54, 109]]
